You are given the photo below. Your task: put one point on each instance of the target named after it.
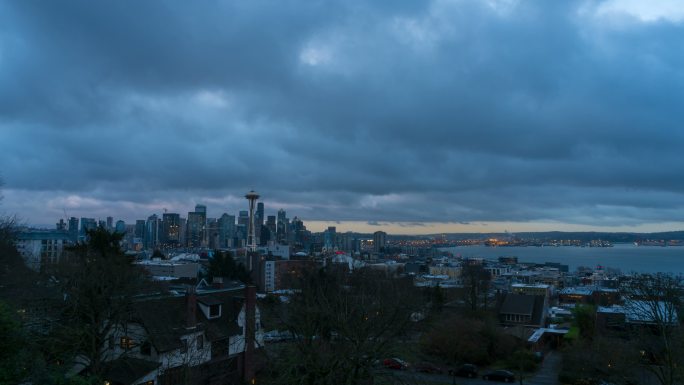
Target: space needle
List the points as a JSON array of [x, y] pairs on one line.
[[252, 197]]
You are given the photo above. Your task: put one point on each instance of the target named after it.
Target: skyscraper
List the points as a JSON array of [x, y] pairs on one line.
[[330, 238], [152, 226], [258, 221], [196, 227], [171, 229], [73, 229], [297, 230], [379, 241], [226, 230], [281, 226], [87, 224], [120, 227], [242, 225], [243, 218], [140, 229], [212, 233], [259, 215]]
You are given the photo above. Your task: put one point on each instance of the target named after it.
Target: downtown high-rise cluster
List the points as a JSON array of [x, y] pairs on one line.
[[196, 230]]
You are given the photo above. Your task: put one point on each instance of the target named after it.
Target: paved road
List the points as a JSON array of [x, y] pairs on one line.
[[546, 375]]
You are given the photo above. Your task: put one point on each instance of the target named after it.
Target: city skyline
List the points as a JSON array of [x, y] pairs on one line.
[[442, 116]]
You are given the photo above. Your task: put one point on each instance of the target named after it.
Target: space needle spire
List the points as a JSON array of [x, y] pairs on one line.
[[252, 197]]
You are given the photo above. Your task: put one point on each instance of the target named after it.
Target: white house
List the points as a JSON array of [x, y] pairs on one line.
[[186, 339]]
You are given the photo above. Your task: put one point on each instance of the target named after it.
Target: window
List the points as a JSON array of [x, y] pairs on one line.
[[184, 346], [200, 342], [126, 342]]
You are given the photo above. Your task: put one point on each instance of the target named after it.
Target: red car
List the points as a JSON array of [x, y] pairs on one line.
[[395, 363]]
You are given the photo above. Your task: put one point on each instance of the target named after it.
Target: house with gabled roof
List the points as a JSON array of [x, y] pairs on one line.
[[206, 337], [522, 309]]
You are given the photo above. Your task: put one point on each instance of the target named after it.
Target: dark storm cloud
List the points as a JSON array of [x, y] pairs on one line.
[[451, 111]]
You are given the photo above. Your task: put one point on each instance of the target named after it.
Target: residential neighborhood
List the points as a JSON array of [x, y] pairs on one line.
[[275, 315]]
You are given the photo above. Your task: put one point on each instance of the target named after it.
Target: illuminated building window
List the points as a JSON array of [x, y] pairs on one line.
[[126, 342]]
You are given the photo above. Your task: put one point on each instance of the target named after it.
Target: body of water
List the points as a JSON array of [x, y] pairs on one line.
[[626, 257]]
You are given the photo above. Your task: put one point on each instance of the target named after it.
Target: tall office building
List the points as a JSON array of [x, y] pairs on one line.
[[212, 233], [110, 224], [281, 226], [183, 231], [379, 241], [240, 236], [297, 230], [87, 224], [196, 227], [139, 229], [152, 227], [264, 236], [120, 227], [330, 238], [258, 221], [243, 218], [271, 224], [171, 229], [73, 229], [270, 228], [243, 224], [226, 230], [259, 214]]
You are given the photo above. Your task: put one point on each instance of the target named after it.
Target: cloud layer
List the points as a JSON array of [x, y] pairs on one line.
[[440, 111]]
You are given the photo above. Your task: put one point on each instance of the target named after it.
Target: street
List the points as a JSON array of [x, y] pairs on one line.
[[546, 375]]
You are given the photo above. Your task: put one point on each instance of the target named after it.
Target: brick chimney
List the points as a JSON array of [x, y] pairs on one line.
[[190, 307], [250, 329]]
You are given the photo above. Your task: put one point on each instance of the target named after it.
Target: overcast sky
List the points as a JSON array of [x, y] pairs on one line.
[[412, 116]]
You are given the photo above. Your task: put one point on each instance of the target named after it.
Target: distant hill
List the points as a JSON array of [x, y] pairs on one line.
[[622, 237]]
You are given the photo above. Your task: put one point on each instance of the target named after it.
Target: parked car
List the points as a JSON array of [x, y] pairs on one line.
[[395, 363], [499, 375], [466, 370], [426, 367]]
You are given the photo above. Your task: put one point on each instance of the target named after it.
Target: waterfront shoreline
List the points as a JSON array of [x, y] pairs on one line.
[[623, 256]]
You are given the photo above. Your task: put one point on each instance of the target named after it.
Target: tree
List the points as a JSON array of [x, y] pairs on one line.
[[585, 319], [223, 265], [342, 323], [98, 282], [462, 339], [12, 266], [476, 282], [435, 298], [13, 357], [653, 302], [603, 358], [651, 346], [8, 231]]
